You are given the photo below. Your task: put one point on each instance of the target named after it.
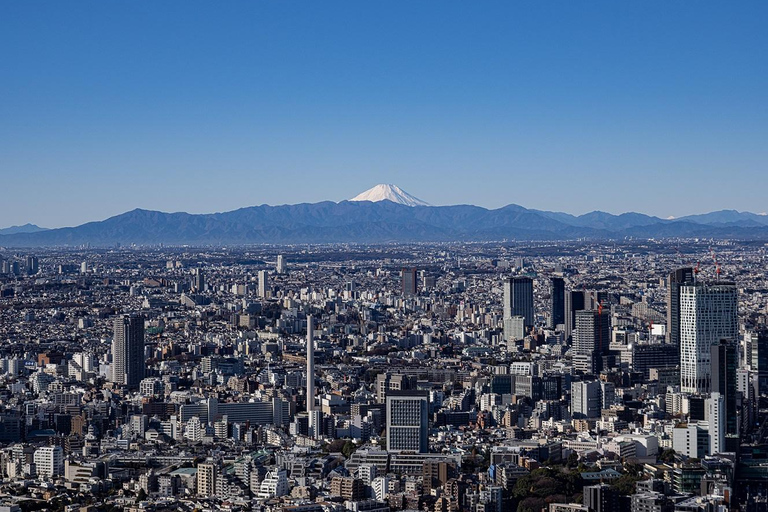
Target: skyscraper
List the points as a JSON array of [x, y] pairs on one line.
[[518, 299], [708, 313], [591, 339], [724, 357], [557, 301], [574, 301], [407, 421], [408, 281], [310, 364], [128, 351], [198, 281], [263, 284], [280, 265], [756, 356], [677, 278], [32, 265]]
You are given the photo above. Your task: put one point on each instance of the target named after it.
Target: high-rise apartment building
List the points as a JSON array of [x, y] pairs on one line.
[[716, 420], [128, 351], [263, 284], [206, 479], [708, 313], [591, 339], [407, 421]]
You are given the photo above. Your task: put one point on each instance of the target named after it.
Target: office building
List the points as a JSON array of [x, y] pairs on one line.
[[586, 399], [646, 356], [518, 300], [32, 265], [128, 351], [724, 358], [574, 301], [600, 498], [557, 302], [756, 357], [676, 279], [407, 421], [708, 313], [408, 284]]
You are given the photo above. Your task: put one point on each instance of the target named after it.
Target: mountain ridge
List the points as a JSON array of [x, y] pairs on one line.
[[380, 222]]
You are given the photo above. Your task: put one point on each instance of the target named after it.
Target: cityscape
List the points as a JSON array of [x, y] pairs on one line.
[[561, 376], [402, 256]]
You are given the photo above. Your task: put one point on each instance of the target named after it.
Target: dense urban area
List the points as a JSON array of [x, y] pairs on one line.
[[488, 377]]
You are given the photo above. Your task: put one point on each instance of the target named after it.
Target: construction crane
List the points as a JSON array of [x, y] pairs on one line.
[[717, 265]]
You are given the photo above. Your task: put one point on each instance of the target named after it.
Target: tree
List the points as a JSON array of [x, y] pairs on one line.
[[348, 449], [573, 460], [667, 456]]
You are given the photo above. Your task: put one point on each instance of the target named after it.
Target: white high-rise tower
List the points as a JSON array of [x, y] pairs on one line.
[[708, 314]]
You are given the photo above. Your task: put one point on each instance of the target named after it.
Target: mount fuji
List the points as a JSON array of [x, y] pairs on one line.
[[387, 192]]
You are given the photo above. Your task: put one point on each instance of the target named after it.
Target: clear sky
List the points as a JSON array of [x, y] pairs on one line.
[[652, 106]]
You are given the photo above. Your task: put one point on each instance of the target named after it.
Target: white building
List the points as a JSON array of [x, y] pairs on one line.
[[708, 313], [274, 484], [716, 420], [586, 399], [49, 461], [692, 440]]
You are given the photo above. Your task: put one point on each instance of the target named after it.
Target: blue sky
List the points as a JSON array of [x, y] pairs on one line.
[[658, 107]]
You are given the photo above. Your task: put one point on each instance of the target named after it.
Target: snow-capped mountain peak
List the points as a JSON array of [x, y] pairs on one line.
[[386, 192]]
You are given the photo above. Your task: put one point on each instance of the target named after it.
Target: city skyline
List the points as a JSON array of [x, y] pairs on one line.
[[216, 108]]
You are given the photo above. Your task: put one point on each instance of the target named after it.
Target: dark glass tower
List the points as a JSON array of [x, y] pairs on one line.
[[557, 299], [676, 279]]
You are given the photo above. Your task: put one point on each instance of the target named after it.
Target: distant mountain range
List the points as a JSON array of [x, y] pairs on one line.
[[26, 228], [381, 221]]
